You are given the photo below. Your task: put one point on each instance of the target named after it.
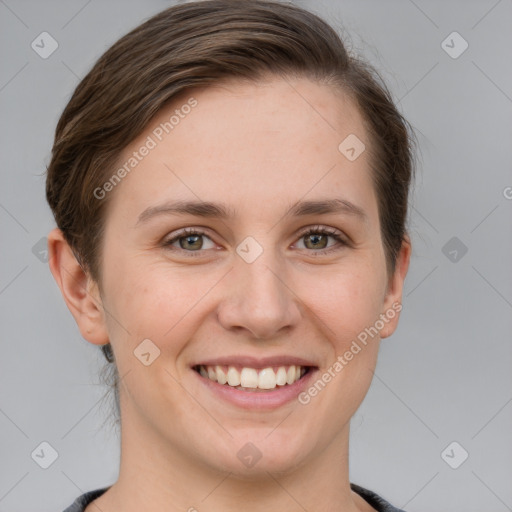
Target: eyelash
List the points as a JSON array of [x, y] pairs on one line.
[[309, 231]]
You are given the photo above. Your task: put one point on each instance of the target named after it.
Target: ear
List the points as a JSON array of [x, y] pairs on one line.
[[393, 298], [80, 292]]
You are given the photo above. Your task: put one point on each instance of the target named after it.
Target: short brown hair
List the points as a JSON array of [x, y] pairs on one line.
[[199, 44]]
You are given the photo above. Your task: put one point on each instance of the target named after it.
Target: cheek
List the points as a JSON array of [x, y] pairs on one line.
[[348, 301], [348, 310], [354, 315], [155, 301]]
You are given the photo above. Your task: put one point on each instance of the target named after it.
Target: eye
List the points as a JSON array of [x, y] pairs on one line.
[[316, 238], [191, 240], [188, 239]]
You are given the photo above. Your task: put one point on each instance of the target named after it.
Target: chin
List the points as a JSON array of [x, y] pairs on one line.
[[255, 454]]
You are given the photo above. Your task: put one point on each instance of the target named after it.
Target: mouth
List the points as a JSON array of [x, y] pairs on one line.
[[253, 380]]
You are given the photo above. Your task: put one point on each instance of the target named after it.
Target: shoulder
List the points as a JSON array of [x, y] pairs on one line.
[[82, 501], [376, 501]]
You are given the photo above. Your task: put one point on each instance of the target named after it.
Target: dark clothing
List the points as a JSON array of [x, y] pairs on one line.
[[378, 503]]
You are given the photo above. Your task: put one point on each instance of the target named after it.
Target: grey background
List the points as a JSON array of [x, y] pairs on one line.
[[446, 373]]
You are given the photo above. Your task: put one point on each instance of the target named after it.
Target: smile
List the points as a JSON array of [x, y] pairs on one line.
[[252, 379]]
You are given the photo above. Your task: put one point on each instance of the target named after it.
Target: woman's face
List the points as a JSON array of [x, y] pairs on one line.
[[247, 170]]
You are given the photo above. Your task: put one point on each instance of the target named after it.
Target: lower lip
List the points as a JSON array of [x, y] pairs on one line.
[[254, 400]]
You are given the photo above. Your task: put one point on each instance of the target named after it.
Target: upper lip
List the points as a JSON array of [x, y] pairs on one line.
[[256, 362]]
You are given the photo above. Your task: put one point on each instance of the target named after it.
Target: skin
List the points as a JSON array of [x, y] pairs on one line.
[[247, 146]]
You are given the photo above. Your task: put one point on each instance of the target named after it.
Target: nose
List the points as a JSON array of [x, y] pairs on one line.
[[259, 299]]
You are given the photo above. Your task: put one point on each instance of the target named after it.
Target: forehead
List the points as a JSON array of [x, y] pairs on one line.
[[244, 143]]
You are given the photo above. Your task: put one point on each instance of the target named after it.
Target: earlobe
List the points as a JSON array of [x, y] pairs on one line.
[[79, 291], [393, 301]]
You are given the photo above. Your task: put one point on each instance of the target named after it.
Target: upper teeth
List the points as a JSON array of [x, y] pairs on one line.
[[266, 378]]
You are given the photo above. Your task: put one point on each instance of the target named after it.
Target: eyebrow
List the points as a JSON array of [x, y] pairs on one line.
[[218, 210]]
